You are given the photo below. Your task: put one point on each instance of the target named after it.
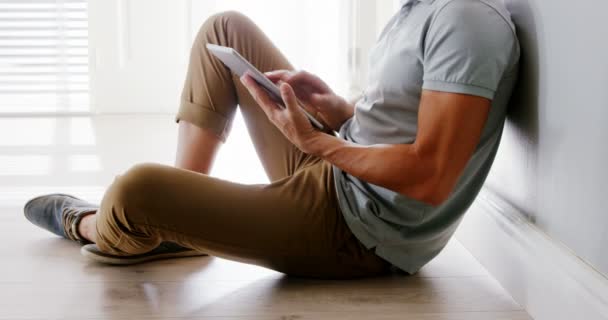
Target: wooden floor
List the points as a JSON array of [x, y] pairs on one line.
[[44, 277]]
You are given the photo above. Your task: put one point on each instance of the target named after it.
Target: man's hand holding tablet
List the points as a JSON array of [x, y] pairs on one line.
[[290, 120], [316, 96]]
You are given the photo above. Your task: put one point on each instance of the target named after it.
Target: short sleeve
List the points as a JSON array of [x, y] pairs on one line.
[[468, 47]]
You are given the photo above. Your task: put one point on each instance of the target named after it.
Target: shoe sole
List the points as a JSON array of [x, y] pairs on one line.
[[129, 260]]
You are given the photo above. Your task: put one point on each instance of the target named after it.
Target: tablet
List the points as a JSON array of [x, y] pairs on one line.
[[240, 66]]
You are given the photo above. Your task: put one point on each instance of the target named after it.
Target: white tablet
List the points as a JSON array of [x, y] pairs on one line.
[[240, 65]]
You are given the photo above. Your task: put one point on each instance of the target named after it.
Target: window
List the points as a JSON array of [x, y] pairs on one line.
[[43, 56]]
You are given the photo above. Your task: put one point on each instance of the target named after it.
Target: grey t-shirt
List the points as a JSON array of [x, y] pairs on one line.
[[459, 46]]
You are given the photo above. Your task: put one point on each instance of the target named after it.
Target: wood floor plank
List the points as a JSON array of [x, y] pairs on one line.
[[514, 315], [271, 295], [41, 270]]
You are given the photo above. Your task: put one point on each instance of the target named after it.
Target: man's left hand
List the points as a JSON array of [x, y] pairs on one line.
[[291, 121]]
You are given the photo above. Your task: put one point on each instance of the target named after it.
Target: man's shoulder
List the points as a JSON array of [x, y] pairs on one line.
[[480, 9]]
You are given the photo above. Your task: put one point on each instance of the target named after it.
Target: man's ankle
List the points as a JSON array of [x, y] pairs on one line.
[[87, 228]]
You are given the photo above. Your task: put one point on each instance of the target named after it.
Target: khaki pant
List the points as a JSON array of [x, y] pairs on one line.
[[292, 225]]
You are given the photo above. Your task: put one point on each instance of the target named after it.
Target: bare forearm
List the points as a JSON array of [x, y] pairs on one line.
[[396, 167]]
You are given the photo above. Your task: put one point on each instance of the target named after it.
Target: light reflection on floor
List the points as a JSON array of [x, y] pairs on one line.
[[81, 155]]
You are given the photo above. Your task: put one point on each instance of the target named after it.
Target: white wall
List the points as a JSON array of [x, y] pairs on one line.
[[553, 155]]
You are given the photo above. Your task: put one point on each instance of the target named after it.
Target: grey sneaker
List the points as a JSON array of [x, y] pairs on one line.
[[165, 250], [59, 214]]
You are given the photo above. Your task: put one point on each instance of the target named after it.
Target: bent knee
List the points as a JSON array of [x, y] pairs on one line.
[[230, 16], [141, 171], [124, 211], [227, 22], [136, 183]]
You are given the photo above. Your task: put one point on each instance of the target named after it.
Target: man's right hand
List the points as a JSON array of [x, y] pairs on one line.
[[316, 96]]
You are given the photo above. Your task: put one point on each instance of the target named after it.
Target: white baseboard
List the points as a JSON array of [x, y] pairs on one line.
[[541, 274]]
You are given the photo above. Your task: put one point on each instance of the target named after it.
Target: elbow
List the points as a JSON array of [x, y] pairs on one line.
[[437, 179], [442, 182], [429, 178], [433, 191], [439, 192]]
